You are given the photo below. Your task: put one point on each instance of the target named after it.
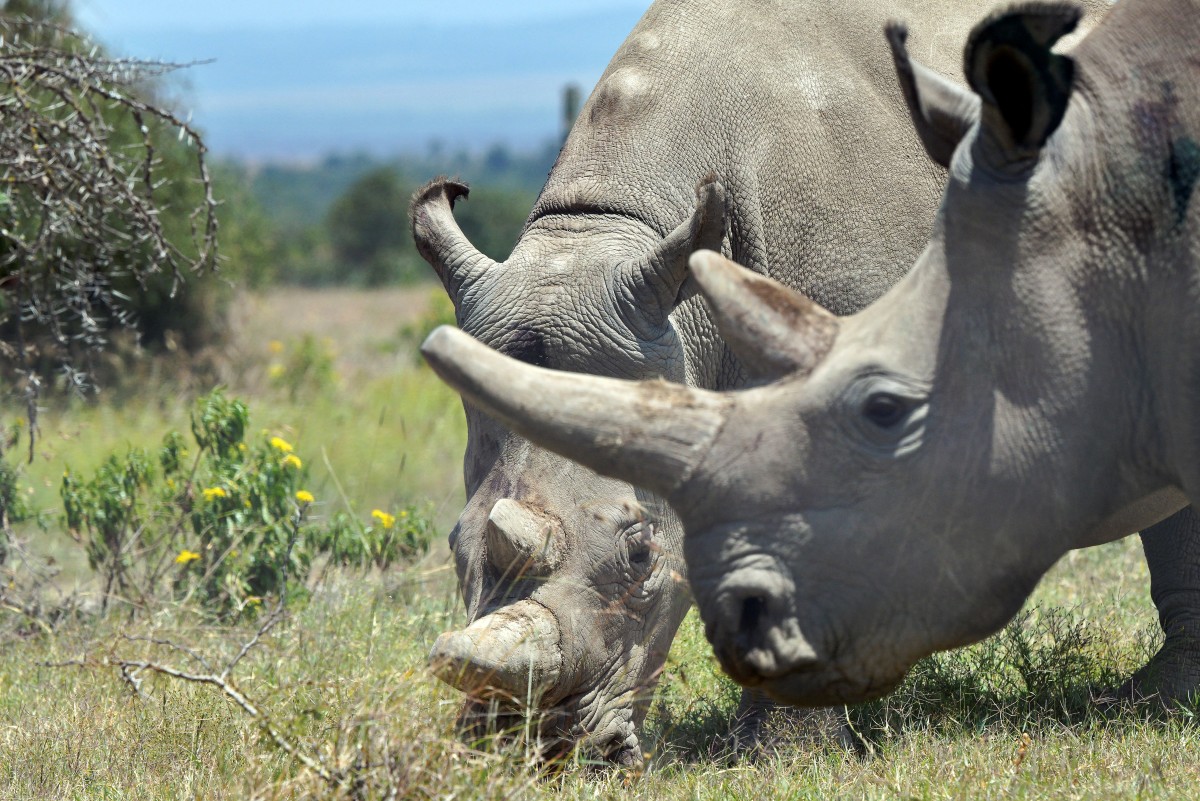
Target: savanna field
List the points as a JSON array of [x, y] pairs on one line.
[[333, 698]]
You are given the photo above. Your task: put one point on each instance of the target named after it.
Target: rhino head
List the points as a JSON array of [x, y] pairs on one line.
[[573, 582], [905, 475]]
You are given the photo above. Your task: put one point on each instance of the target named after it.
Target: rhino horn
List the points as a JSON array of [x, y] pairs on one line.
[[515, 652], [439, 239], [773, 330], [659, 276], [649, 433], [521, 541]]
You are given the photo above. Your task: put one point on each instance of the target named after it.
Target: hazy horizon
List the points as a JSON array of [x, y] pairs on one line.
[[300, 80]]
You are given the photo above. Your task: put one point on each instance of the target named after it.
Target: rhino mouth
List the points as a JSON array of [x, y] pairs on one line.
[[555, 733]]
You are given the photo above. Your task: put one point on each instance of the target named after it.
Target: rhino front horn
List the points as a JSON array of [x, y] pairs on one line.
[[649, 433], [515, 652]]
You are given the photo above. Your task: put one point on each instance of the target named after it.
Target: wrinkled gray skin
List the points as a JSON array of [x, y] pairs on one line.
[[787, 113], [1030, 387]]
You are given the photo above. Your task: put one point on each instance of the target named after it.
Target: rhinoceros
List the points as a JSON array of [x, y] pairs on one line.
[[808, 171], [1031, 386]]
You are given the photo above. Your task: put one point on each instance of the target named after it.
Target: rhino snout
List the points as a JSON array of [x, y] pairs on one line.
[[752, 631], [514, 652]]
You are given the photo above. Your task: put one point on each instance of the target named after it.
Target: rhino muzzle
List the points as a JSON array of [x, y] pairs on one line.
[[515, 652], [752, 634]]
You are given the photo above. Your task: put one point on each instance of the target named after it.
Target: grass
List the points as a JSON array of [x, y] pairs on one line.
[[344, 675]]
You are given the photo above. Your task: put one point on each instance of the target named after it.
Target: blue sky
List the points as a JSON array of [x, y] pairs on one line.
[[298, 79]]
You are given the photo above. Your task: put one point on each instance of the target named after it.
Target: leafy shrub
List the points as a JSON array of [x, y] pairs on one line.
[[228, 523]]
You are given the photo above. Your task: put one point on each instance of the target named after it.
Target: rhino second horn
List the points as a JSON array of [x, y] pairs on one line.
[[519, 540], [775, 331], [515, 652]]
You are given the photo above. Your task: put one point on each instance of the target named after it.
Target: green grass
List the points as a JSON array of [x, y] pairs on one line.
[[344, 676]]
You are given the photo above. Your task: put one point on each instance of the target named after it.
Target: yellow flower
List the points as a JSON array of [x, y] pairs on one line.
[[281, 444], [292, 460], [404, 513], [186, 556], [385, 520], [215, 492], [304, 496], [242, 447], [275, 371], [170, 483], [275, 346]]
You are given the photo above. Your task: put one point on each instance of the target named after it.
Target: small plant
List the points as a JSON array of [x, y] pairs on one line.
[[304, 366], [13, 507], [113, 510], [245, 507], [226, 518], [388, 539]]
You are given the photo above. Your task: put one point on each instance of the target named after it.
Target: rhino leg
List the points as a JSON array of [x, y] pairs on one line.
[[1172, 550], [761, 724]]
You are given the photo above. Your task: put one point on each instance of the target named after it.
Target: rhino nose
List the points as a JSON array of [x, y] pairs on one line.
[[752, 632]]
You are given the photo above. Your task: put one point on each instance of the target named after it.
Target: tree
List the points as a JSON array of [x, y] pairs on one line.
[[105, 197], [367, 225]]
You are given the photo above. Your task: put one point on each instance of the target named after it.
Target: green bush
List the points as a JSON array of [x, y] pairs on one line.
[[223, 520]]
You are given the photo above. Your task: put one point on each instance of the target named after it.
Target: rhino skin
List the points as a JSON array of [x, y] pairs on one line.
[[785, 116], [1028, 388]]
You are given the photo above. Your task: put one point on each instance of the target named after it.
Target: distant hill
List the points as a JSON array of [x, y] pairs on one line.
[[299, 93]]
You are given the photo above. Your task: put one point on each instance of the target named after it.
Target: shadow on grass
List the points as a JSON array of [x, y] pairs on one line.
[[1047, 671]]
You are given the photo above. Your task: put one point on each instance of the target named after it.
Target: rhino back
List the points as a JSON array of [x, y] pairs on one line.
[[793, 106]]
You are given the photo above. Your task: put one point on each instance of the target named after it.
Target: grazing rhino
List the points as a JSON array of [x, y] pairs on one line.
[[1031, 386], [574, 583]]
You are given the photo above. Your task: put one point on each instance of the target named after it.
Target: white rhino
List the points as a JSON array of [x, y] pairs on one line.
[[786, 116], [1030, 387]]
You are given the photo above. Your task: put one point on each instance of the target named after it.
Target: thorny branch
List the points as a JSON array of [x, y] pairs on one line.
[[82, 199]]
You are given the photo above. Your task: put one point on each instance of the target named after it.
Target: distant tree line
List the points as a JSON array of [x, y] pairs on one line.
[[345, 219]]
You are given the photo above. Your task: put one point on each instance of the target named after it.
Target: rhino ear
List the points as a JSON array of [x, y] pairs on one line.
[[941, 111], [773, 330], [652, 284], [1024, 86], [439, 239]]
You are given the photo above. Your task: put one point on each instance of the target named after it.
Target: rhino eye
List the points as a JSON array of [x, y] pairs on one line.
[[640, 544], [885, 409]]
